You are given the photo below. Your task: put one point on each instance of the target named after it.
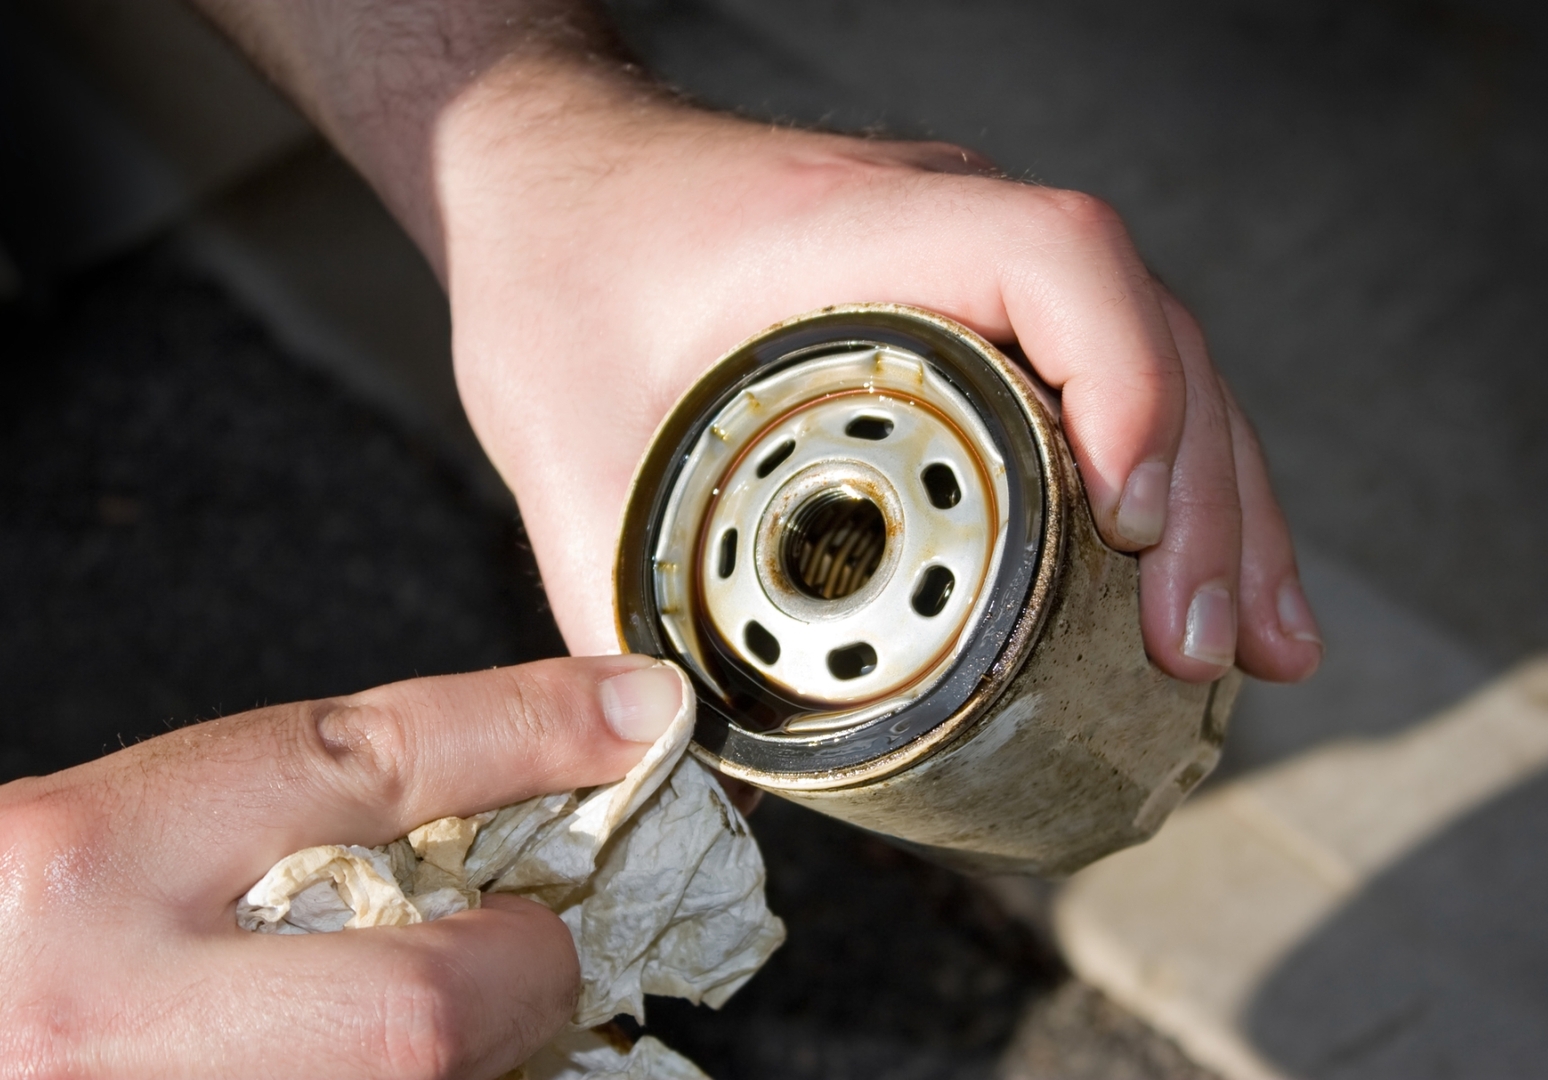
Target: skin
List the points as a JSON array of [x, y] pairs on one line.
[[121, 953], [601, 243]]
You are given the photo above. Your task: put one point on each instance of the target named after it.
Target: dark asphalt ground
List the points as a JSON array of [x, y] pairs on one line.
[[192, 526]]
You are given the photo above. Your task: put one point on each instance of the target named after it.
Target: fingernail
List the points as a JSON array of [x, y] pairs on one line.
[[639, 705], [1142, 509], [1211, 634], [1295, 614]]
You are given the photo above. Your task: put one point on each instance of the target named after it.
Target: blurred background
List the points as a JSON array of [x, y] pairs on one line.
[[233, 471]]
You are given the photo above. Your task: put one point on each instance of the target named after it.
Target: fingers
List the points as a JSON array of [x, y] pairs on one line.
[[1221, 586], [234, 796], [1083, 308], [470, 995], [1159, 444], [1189, 581], [1279, 639]]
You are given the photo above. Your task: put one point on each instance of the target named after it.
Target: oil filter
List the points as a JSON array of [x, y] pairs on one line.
[[863, 535]]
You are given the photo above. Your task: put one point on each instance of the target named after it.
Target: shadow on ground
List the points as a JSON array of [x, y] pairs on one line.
[[894, 969], [1435, 969]]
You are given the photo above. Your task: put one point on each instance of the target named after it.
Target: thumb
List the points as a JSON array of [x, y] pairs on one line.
[[368, 768]]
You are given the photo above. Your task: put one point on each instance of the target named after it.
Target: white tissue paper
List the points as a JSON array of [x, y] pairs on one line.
[[656, 876]]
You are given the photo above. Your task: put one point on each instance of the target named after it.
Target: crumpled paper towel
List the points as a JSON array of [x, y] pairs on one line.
[[657, 877]]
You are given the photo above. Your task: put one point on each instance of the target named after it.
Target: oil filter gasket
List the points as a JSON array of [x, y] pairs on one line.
[[863, 535]]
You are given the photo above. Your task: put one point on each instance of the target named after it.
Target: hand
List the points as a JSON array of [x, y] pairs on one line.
[[601, 259], [602, 243], [118, 883]]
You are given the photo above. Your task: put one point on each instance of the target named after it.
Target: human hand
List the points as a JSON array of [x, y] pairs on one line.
[[600, 256], [119, 881], [602, 243]]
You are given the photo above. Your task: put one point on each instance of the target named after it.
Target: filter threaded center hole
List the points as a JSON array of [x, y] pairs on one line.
[[833, 543]]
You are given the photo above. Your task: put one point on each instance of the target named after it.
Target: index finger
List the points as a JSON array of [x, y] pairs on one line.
[[1082, 306]]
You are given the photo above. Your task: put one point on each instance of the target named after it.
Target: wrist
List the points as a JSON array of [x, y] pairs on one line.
[[525, 127], [530, 136]]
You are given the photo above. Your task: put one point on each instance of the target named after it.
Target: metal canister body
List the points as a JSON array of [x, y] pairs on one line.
[[863, 534]]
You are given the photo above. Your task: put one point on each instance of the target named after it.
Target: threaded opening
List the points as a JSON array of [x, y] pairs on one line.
[[833, 543]]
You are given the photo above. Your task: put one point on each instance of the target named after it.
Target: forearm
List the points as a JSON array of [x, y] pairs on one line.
[[389, 83]]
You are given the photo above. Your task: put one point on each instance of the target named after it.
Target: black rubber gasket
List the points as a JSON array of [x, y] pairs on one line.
[[1002, 413]]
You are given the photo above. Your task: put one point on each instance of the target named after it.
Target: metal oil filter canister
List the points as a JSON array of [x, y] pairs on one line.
[[863, 535]]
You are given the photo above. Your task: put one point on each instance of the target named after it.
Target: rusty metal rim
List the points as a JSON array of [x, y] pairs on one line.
[[636, 620]]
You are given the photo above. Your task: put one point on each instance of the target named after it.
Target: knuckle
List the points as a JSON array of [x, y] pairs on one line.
[[51, 854], [1209, 419], [41, 830], [365, 746], [1211, 501], [1216, 500], [1156, 376], [545, 707], [540, 709]]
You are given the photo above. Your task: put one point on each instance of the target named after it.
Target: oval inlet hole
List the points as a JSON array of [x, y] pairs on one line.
[[761, 643], [852, 661], [934, 590], [774, 457], [874, 428], [941, 484], [728, 553]]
